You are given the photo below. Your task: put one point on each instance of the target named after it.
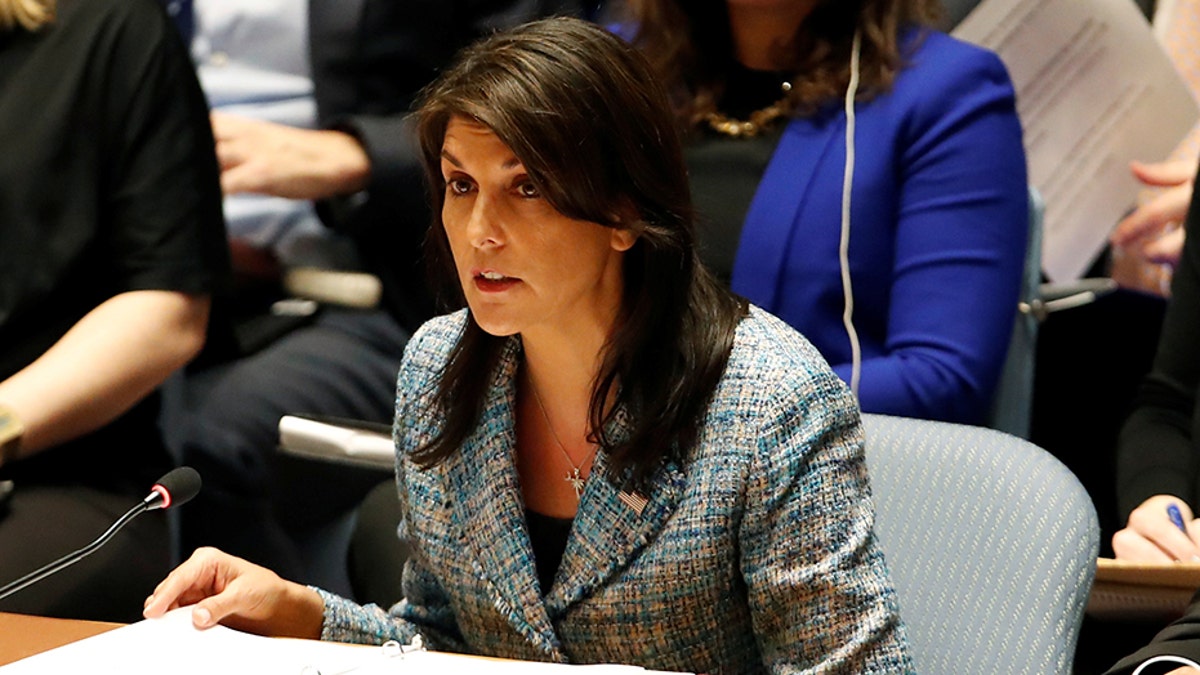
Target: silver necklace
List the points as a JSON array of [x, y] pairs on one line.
[[575, 475]]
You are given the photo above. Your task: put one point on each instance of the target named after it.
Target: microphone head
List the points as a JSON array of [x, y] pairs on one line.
[[177, 487]]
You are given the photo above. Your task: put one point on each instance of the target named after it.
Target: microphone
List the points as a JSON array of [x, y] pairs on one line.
[[177, 487]]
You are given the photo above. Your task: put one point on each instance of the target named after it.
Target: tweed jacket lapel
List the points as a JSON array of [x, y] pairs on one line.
[[608, 531], [758, 265], [490, 511]]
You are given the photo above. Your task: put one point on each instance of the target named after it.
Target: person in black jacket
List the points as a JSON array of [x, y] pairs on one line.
[[1158, 472], [1159, 460]]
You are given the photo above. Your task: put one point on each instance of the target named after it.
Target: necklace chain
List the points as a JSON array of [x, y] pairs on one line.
[[575, 476], [758, 121]]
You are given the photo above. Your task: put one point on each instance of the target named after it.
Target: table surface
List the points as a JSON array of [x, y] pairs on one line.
[[23, 635]]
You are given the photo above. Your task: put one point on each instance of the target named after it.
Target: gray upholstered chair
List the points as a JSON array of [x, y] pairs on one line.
[[991, 543], [954, 11], [1012, 406]]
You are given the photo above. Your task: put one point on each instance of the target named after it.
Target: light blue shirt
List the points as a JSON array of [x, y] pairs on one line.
[[252, 60]]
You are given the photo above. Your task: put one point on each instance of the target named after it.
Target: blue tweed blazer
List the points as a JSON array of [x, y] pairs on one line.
[[755, 554]]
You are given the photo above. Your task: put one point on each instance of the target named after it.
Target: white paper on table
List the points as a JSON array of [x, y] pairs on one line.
[[172, 646], [442, 663], [1095, 90]]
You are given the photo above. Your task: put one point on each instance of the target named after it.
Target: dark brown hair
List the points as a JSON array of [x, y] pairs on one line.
[[690, 45], [584, 114]]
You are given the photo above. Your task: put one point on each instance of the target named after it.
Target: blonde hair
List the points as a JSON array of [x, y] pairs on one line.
[[28, 14]]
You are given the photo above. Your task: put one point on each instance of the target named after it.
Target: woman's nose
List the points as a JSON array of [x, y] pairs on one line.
[[483, 227]]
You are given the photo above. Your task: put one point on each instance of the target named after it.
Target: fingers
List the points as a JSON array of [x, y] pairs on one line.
[[238, 177], [226, 126], [1168, 208], [1174, 172], [239, 142], [238, 598], [191, 581], [274, 159], [1151, 535], [211, 580], [1167, 249], [228, 131], [229, 590], [1129, 545]]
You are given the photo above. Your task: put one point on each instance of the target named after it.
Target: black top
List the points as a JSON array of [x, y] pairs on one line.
[[1157, 452], [725, 171], [548, 536], [108, 184]]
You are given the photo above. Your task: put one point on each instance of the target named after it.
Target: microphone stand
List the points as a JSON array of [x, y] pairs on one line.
[[72, 558]]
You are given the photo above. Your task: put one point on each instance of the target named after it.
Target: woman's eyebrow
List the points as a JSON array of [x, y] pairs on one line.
[[510, 163]]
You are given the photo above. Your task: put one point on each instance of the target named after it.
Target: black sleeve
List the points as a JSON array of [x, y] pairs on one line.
[[162, 183], [1156, 452]]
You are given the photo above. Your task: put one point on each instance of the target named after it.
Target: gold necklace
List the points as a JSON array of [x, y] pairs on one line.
[[575, 476], [758, 121]]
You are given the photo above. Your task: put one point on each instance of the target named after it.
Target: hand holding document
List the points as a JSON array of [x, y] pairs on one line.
[[1095, 90]]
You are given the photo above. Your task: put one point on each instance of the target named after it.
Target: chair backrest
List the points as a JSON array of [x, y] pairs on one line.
[[991, 543], [1012, 402], [954, 11]]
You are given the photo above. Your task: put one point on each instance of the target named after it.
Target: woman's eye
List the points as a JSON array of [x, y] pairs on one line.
[[458, 186], [528, 191]]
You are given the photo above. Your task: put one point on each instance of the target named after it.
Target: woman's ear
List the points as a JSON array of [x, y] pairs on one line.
[[624, 237], [626, 226]]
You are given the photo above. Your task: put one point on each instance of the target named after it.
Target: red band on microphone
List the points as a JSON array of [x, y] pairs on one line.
[[162, 492]]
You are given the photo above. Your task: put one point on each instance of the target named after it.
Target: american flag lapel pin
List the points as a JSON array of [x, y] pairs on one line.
[[633, 500]]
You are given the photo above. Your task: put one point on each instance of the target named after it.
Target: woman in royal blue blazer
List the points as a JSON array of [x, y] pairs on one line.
[[939, 205]]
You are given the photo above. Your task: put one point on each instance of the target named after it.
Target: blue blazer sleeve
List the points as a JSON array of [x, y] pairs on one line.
[[938, 233]]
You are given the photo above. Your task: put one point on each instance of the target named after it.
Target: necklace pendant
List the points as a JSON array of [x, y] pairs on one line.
[[576, 481]]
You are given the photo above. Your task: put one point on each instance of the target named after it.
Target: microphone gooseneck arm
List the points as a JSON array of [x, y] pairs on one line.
[[72, 558], [174, 489]]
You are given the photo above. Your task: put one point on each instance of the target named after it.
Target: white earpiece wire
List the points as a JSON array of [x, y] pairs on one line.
[[844, 246]]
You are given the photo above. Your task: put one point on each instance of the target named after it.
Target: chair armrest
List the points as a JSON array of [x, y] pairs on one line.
[[338, 440], [348, 289], [1057, 297]]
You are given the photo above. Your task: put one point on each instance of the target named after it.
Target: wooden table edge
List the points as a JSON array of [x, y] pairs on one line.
[[23, 635]]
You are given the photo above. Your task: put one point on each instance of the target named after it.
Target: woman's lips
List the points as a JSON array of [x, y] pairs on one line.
[[489, 281]]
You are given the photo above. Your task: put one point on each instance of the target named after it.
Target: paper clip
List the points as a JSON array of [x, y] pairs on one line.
[[389, 650], [393, 648]]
